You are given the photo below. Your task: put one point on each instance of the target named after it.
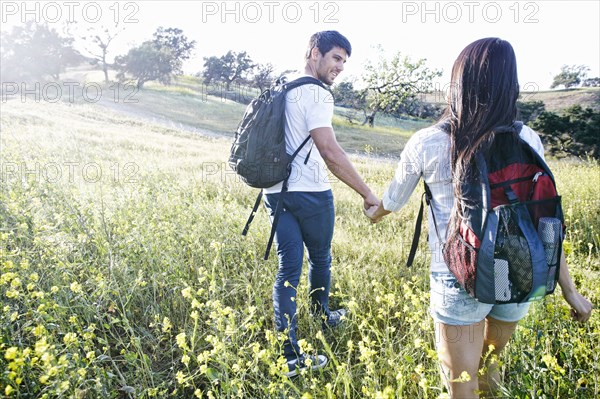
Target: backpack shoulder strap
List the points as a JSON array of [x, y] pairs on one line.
[[415, 242], [304, 80], [299, 82]]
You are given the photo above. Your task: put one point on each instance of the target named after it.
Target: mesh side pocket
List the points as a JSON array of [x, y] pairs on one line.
[[549, 208], [461, 259], [513, 247]]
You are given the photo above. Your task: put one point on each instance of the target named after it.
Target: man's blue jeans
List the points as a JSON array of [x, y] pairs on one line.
[[307, 219]]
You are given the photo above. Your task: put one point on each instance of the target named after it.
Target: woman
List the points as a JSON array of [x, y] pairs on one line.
[[483, 96]]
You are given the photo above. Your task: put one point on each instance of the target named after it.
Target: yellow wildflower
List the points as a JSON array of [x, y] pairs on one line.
[[166, 325], [76, 287], [11, 353]]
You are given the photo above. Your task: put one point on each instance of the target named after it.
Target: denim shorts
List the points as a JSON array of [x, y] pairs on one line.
[[452, 305]]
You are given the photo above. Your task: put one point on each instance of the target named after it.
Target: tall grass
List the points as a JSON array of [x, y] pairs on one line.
[[124, 275]]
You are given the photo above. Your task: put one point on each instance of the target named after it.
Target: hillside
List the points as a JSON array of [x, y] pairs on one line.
[[190, 104], [555, 100]]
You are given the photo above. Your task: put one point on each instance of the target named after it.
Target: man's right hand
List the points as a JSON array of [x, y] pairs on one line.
[[375, 212]]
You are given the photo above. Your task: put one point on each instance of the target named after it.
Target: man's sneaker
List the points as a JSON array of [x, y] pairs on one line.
[[305, 363], [336, 317]]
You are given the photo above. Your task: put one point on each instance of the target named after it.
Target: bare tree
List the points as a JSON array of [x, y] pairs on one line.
[[97, 44]]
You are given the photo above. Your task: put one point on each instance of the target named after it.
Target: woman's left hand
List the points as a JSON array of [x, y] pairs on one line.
[[581, 308]]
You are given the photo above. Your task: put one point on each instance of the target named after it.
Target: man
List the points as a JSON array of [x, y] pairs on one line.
[[307, 217]]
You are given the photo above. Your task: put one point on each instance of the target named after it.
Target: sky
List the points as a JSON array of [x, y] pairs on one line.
[[545, 34]]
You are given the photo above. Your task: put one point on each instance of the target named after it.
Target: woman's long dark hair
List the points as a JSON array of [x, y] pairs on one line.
[[483, 97]]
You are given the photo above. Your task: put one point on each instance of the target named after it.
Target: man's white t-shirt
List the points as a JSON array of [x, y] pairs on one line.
[[308, 107]]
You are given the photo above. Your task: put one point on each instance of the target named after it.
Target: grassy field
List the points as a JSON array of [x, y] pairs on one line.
[[124, 274]]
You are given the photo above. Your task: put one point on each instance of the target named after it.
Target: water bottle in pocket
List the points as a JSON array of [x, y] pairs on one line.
[[550, 232]]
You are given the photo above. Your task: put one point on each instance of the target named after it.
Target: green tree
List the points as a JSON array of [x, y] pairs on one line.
[[145, 63], [576, 132], [159, 59], [263, 77], [353, 100], [230, 68], [213, 70], [591, 82], [34, 52], [180, 46], [570, 76], [420, 109], [346, 96], [530, 110], [395, 83]]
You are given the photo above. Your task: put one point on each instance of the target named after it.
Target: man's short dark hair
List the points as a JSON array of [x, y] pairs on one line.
[[326, 40]]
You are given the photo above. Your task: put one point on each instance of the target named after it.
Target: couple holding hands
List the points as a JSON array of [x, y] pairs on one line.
[[441, 155]]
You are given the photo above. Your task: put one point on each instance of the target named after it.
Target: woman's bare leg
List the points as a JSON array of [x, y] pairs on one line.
[[497, 333], [459, 350]]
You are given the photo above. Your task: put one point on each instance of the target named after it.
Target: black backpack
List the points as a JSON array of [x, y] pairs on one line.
[[258, 154], [508, 246]]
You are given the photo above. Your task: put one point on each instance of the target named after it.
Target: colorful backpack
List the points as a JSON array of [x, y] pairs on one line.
[[508, 245]]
